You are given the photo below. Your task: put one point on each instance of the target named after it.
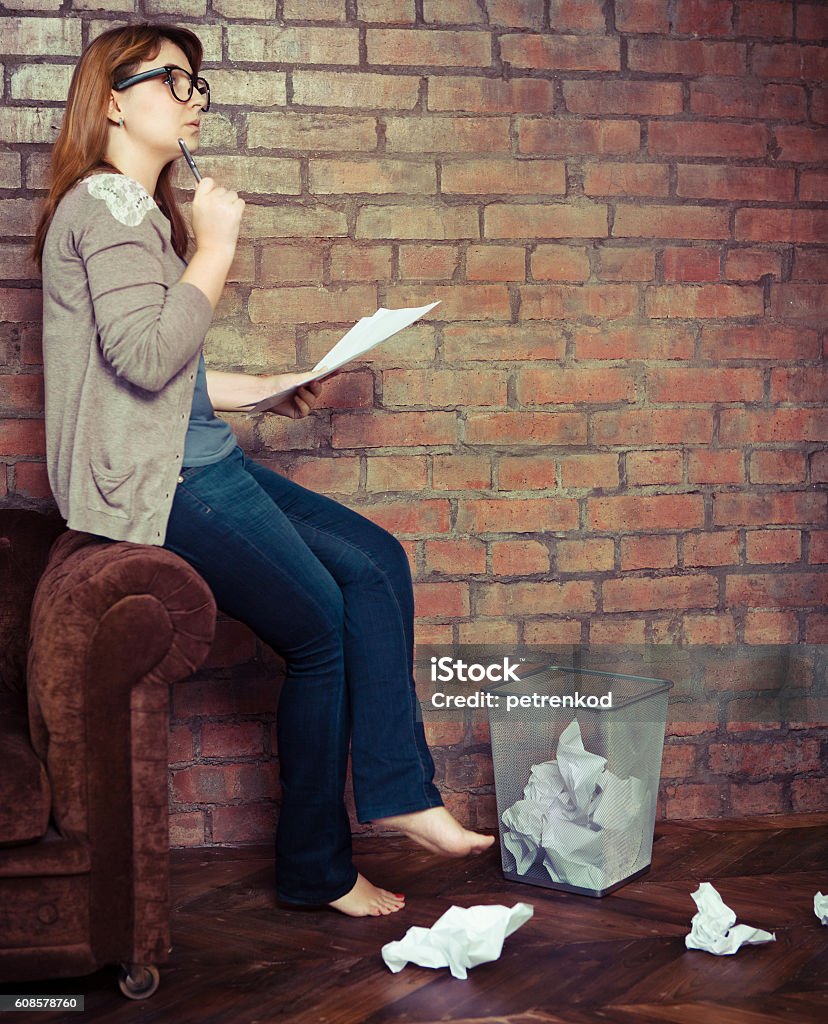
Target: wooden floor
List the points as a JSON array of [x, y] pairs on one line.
[[239, 958]]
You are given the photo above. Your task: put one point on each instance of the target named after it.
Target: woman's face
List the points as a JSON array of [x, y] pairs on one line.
[[153, 117]]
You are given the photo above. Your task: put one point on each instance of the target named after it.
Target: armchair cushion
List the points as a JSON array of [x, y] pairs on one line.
[[25, 795]]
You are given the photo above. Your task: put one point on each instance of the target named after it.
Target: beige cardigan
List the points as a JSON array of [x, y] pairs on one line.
[[121, 342]]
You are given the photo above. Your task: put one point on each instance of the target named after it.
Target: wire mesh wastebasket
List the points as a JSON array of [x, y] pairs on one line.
[[577, 761]]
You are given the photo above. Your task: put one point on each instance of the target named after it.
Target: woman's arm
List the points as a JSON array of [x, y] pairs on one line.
[[229, 392]]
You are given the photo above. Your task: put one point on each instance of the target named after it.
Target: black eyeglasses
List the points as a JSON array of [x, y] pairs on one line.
[[180, 81]]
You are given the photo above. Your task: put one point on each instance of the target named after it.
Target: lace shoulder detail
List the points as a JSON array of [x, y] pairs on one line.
[[128, 201]]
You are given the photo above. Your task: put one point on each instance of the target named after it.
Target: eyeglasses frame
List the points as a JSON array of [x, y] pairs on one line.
[[167, 70]]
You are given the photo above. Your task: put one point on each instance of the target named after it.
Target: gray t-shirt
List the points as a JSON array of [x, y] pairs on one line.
[[209, 438]]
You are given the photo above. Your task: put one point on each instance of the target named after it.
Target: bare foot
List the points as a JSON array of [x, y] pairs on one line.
[[367, 900], [437, 830]]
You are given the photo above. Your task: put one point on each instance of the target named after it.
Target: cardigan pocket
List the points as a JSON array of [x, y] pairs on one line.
[[111, 491]]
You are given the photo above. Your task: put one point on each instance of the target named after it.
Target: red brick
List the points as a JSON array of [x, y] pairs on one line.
[[525, 472], [542, 598], [678, 761], [577, 136], [622, 97], [457, 302], [770, 627], [328, 476], [691, 263], [698, 384], [396, 473], [436, 389], [781, 507], [713, 466], [646, 594], [378, 429], [519, 557], [653, 467], [516, 177], [642, 16], [595, 554], [413, 47], [326, 177], [631, 264], [559, 263], [490, 95], [569, 302], [707, 138], [670, 222], [626, 513], [777, 467], [758, 426], [703, 17], [560, 52], [812, 22], [773, 546], [707, 300], [455, 557], [243, 825], [720, 547], [496, 263], [762, 760], [516, 515], [548, 385], [549, 220], [621, 179], [768, 18], [703, 181], [729, 97], [801, 145], [809, 795], [425, 516], [433, 600], [518, 342], [23, 437], [232, 739], [526, 428], [748, 798], [447, 134], [810, 265], [788, 60], [520, 13], [694, 800], [585, 470], [659, 341], [775, 590], [349, 262], [799, 384], [360, 89], [648, 553], [461, 472], [763, 341], [752, 264], [652, 426], [576, 16], [799, 301], [686, 57], [426, 262], [818, 549]]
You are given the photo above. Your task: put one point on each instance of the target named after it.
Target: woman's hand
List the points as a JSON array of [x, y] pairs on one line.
[[298, 404], [217, 214]]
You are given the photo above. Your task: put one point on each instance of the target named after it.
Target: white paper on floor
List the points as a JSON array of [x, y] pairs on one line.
[[589, 822], [714, 929], [821, 907], [463, 937]]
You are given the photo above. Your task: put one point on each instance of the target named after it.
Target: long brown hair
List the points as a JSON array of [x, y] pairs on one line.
[[81, 144]]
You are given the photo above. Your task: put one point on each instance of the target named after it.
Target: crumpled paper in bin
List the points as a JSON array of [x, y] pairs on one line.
[[821, 907], [714, 928], [588, 821], [463, 937]]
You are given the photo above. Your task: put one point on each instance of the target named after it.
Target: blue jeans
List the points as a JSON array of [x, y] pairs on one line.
[[331, 593]]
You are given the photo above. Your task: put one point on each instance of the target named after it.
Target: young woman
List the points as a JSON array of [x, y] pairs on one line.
[[135, 452]]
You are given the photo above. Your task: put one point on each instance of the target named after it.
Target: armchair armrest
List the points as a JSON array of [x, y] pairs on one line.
[[113, 624]]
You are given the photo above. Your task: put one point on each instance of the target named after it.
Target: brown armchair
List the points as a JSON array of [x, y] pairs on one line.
[[92, 634]]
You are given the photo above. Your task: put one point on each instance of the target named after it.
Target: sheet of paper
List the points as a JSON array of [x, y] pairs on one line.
[[364, 335], [714, 929], [462, 938], [821, 907], [588, 823]]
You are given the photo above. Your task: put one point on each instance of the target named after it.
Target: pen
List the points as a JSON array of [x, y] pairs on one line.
[[188, 156]]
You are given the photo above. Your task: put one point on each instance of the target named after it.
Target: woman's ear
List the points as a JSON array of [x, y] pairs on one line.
[[114, 112]]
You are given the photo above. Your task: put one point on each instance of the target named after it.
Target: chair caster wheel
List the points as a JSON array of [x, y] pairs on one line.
[[138, 981]]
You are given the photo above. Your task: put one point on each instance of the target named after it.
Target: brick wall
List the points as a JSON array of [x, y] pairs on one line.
[[612, 429]]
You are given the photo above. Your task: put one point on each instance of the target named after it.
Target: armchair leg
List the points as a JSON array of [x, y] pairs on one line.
[[138, 981]]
